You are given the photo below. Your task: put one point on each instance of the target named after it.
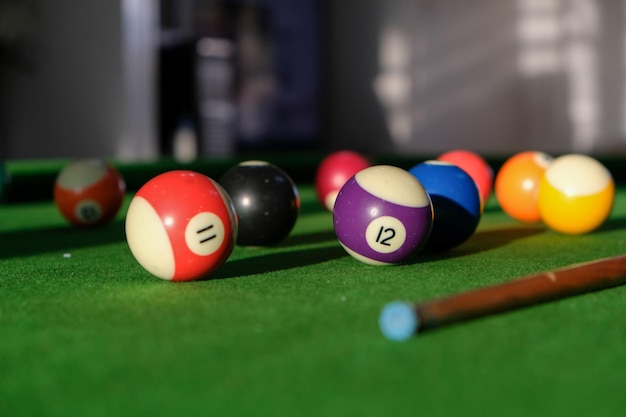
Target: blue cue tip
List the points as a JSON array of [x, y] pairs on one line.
[[398, 321]]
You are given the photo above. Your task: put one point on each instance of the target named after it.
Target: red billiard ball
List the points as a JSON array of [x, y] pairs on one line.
[[517, 184], [181, 226], [89, 192], [333, 172], [476, 166]]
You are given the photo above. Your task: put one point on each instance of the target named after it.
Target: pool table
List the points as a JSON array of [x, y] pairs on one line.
[[291, 330]]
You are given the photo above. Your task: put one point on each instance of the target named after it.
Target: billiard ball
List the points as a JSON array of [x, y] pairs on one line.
[[456, 203], [382, 215], [88, 192], [266, 200], [333, 172], [4, 180], [476, 166], [576, 194], [517, 184], [181, 226]]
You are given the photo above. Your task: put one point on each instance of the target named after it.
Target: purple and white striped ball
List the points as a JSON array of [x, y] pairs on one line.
[[382, 215]]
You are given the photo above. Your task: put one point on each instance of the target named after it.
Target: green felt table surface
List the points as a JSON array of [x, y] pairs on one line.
[[291, 330]]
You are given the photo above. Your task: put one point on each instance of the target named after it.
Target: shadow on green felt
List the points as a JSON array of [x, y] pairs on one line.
[[63, 238], [310, 207], [490, 239], [482, 241], [273, 262], [308, 238], [612, 224]]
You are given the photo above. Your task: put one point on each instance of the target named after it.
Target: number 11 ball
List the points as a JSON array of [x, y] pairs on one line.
[[181, 226], [382, 215]]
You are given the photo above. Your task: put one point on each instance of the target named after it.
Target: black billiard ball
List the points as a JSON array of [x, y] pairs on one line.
[[266, 202]]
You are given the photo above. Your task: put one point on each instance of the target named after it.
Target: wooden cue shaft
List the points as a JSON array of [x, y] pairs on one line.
[[525, 291]]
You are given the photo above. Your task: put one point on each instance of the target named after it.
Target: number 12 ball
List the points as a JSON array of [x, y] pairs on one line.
[[382, 215], [181, 226]]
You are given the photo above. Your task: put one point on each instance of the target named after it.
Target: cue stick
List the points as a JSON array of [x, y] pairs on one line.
[[400, 320]]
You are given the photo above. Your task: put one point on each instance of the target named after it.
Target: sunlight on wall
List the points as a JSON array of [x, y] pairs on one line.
[[551, 72], [582, 20], [561, 38], [393, 85], [539, 32], [440, 81]]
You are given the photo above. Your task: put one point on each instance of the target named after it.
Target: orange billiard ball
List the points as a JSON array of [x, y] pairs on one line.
[[517, 184], [476, 166], [576, 194], [89, 192]]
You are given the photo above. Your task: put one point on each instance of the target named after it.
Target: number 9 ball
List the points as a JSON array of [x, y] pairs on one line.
[[88, 192]]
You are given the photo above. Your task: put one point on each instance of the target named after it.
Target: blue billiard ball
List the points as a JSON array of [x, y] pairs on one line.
[[456, 203]]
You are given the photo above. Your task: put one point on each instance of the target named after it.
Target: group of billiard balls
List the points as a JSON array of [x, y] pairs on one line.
[[182, 225], [383, 214], [571, 194]]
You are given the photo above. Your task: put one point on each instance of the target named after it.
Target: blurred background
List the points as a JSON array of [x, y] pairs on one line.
[[141, 79]]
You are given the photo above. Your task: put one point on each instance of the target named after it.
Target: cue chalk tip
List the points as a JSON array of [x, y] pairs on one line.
[[398, 321]]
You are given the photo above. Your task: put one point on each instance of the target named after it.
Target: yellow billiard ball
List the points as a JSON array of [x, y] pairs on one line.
[[576, 194]]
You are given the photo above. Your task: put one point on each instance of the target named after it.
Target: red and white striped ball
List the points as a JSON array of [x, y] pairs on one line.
[[89, 192], [181, 226]]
